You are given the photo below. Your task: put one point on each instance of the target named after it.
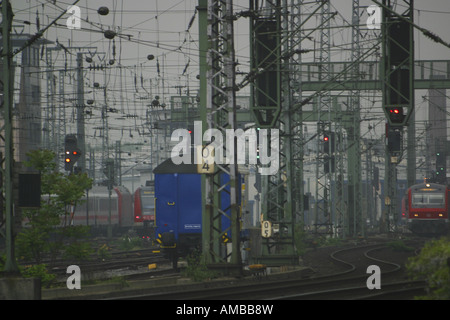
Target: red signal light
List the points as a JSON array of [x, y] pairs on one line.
[[326, 138], [395, 115]]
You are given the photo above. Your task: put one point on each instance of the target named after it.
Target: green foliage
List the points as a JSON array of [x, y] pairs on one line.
[[128, 243], [399, 246], [78, 250], [196, 268], [39, 271], [71, 188], [33, 240], [42, 160], [104, 252], [48, 229], [432, 265]]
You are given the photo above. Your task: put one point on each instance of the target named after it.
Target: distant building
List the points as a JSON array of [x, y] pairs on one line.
[[437, 122], [27, 119]]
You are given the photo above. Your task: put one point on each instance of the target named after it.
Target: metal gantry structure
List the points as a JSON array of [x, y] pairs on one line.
[[276, 103], [221, 115], [324, 158], [354, 223], [397, 78], [274, 51]]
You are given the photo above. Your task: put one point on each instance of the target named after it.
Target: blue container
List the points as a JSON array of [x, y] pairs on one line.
[[178, 215], [178, 209]]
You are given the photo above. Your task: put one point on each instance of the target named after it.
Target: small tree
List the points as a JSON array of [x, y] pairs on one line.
[[196, 268], [432, 265], [52, 221]]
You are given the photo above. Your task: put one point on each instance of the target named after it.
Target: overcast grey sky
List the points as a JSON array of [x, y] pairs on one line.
[[164, 22], [159, 27]]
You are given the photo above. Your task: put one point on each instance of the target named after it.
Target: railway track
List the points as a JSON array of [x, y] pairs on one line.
[[125, 260], [350, 283]]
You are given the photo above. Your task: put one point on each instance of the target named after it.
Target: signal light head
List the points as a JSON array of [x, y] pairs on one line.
[[395, 115], [71, 151]]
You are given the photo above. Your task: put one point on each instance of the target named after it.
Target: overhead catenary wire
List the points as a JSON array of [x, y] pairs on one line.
[[175, 58]]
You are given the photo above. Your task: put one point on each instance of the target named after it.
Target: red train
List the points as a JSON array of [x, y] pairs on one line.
[[125, 214], [425, 208], [94, 211], [97, 206], [144, 206]]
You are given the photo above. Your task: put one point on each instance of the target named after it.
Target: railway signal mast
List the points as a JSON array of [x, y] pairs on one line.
[[273, 47], [397, 79], [219, 112], [6, 134]]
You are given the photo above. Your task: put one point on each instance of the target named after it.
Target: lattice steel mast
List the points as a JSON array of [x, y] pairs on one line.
[[273, 46], [221, 115]]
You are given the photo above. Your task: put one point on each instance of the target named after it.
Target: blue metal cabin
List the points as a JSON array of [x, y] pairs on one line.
[[178, 209]]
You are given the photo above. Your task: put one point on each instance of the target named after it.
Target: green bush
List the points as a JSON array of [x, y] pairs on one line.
[[48, 229], [78, 250], [39, 271], [432, 265], [128, 243], [196, 268]]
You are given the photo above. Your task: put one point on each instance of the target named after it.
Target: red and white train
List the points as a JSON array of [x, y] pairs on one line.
[[94, 209], [425, 208], [144, 205], [125, 214]]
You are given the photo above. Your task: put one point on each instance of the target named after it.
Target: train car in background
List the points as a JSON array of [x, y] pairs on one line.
[[144, 205], [95, 207], [404, 212], [426, 208], [178, 209], [178, 212]]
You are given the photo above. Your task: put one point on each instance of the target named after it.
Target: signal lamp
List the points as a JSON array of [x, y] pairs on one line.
[[72, 152], [328, 142], [395, 114]]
